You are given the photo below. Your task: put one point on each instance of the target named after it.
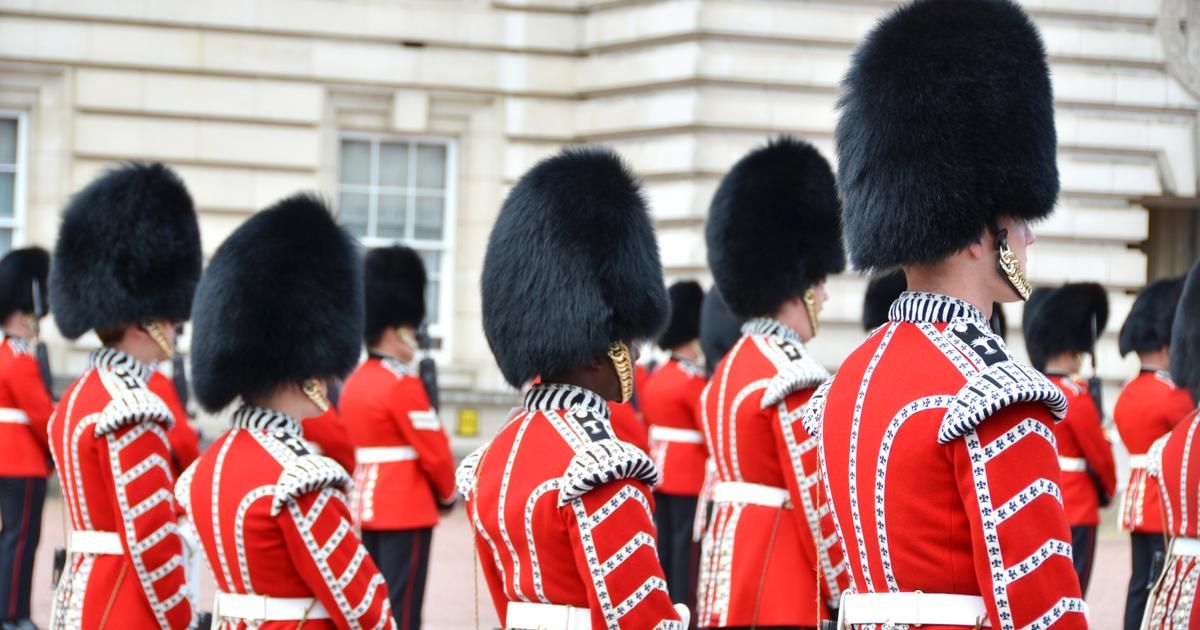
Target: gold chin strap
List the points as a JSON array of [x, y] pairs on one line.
[[312, 388], [1010, 267], [155, 330], [32, 323], [810, 302], [623, 363]]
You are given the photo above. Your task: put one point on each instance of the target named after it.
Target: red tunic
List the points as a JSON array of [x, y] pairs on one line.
[[629, 426], [385, 406], [327, 435], [25, 407], [670, 402], [756, 558], [184, 441], [273, 521], [562, 513], [1148, 408], [940, 459], [1174, 461], [108, 437], [1081, 442]]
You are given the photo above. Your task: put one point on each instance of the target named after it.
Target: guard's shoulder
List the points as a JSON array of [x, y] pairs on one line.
[[130, 402], [395, 368], [795, 368], [183, 488], [21, 347], [997, 386], [464, 475], [601, 458], [306, 473], [814, 410]]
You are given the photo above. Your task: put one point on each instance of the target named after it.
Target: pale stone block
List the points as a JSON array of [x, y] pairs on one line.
[[41, 40], [774, 63], [640, 111], [410, 111], [1091, 174], [641, 22], [669, 154], [131, 45], [520, 156], [109, 89], [680, 199], [1077, 40], [132, 138], [845, 23], [1055, 262], [1089, 220], [682, 248], [539, 117], [657, 64]]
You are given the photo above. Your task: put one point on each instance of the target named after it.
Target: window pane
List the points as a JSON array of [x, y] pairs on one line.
[[352, 213], [428, 222], [431, 166], [431, 301], [8, 141], [432, 260], [6, 236], [393, 215], [393, 164], [356, 162], [7, 194]]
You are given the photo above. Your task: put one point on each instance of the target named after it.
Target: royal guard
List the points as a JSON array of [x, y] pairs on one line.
[[937, 443], [561, 508], [1148, 407], [25, 407], [279, 315], [769, 556], [405, 472], [1061, 325], [328, 435], [125, 266], [670, 401]]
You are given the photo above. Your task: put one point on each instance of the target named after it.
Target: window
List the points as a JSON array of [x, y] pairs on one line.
[[12, 179], [401, 190]]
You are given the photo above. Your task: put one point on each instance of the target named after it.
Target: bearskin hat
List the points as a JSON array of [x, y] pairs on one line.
[[395, 280], [719, 328], [1148, 326], [1067, 319], [19, 269], [1185, 334], [947, 125], [571, 266], [882, 290], [280, 302], [773, 228], [128, 251], [686, 297]]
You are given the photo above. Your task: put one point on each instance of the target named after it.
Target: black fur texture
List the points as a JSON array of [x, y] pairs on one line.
[[395, 290], [1148, 326], [571, 266], [947, 124], [684, 325], [1061, 320], [773, 228], [1185, 335], [18, 270], [280, 302], [719, 328], [128, 251], [882, 290]]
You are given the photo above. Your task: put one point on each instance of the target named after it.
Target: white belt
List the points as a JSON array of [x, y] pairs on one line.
[[911, 609], [669, 434], [264, 608], [15, 416], [1139, 462], [1072, 464], [1185, 547], [529, 616], [94, 542], [750, 493], [384, 454]]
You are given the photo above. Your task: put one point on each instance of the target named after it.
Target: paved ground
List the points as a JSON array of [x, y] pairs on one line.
[[452, 578]]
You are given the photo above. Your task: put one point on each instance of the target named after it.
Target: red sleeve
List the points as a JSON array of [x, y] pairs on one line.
[[418, 421], [1178, 405], [1008, 479], [628, 426], [329, 433], [613, 538], [1084, 423], [333, 562], [31, 396]]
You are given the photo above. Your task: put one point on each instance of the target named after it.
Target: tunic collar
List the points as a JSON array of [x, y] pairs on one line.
[[559, 396], [923, 307], [255, 418], [768, 327], [111, 359]]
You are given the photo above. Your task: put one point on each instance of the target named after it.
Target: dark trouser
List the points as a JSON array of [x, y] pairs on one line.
[[403, 558], [674, 516], [21, 500], [1144, 547], [1083, 552]]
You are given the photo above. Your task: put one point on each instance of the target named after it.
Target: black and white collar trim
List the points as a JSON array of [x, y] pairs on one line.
[[394, 365], [922, 307], [559, 396], [112, 360], [20, 345], [262, 419], [768, 327], [688, 364]]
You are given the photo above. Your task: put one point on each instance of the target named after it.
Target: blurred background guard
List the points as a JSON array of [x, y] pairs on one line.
[[25, 407], [125, 266], [327, 434], [1061, 326], [1174, 462], [719, 329], [183, 439], [561, 508], [882, 291], [1149, 406], [770, 555], [279, 314], [938, 445], [405, 468], [670, 401]]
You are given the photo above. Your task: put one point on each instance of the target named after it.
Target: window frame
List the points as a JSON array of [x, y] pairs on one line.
[[21, 170]]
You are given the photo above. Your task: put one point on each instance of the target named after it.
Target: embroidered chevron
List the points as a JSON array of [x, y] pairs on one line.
[[305, 474], [1000, 385]]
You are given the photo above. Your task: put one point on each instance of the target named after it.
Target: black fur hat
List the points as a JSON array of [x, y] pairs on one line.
[[773, 228], [1148, 326], [395, 289], [882, 290], [719, 328], [18, 271], [947, 124], [128, 251], [1185, 334], [684, 325], [571, 266], [1066, 319], [281, 301]]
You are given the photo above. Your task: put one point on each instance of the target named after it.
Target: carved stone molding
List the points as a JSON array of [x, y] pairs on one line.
[[1179, 26]]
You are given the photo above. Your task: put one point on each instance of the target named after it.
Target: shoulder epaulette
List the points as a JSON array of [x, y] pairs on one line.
[[131, 403], [305, 474], [464, 475], [601, 459], [814, 410], [999, 385], [795, 369]]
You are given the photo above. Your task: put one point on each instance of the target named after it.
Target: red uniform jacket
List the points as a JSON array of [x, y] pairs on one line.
[[386, 406], [757, 557], [671, 404], [184, 441], [25, 407], [561, 511], [1081, 441], [273, 521], [1148, 408], [1174, 461], [939, 454], [108, 436], [327, 435], [629, 425]]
